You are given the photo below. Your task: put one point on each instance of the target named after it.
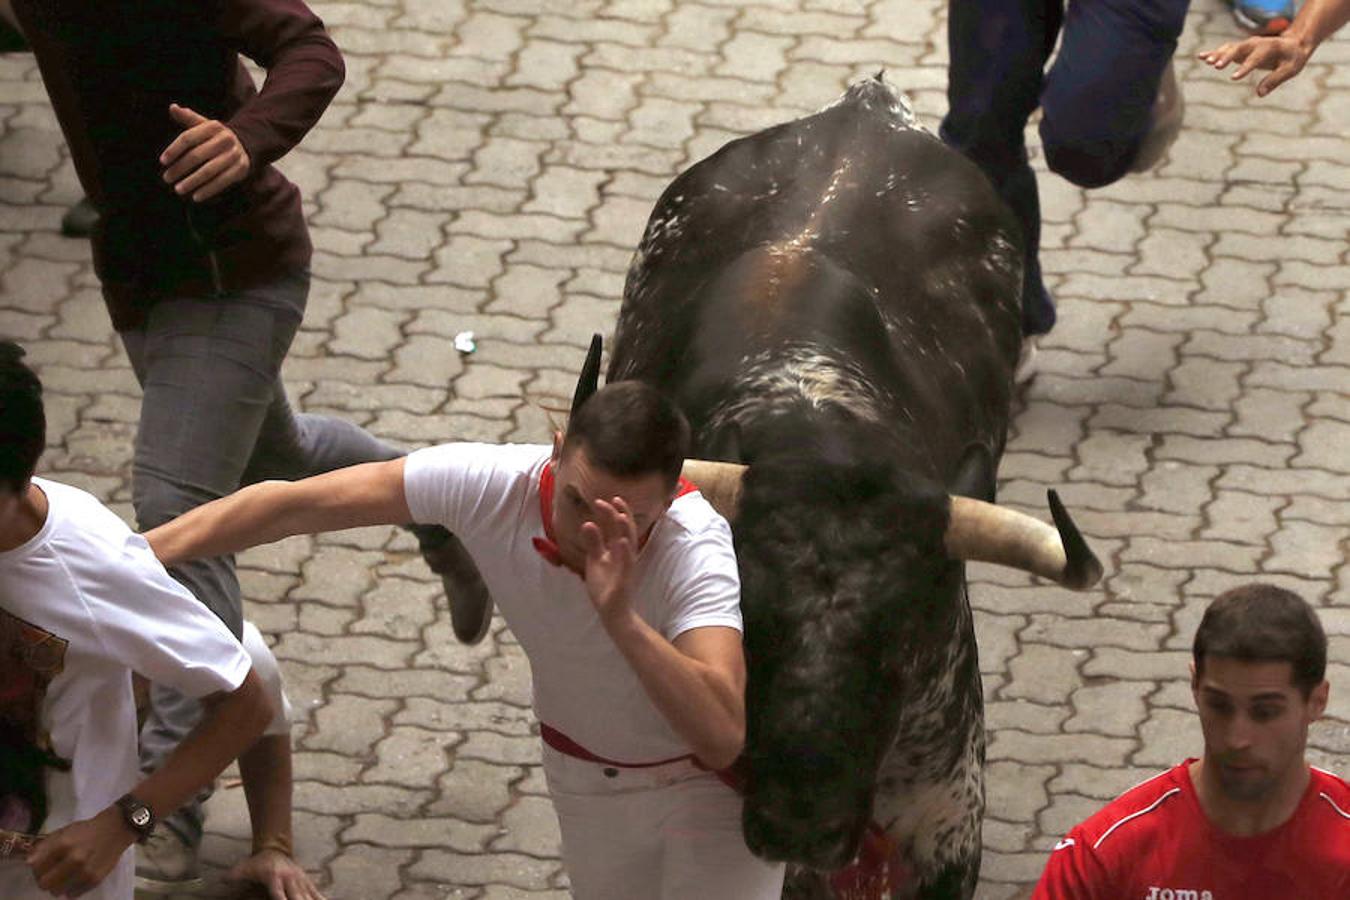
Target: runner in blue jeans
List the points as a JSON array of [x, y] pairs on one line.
[[1109, 102]]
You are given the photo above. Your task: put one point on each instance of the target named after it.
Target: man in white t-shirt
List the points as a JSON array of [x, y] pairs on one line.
[[83, 605], [620, 582]]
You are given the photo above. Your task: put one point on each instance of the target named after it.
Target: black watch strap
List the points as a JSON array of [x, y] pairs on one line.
[[138, 817]]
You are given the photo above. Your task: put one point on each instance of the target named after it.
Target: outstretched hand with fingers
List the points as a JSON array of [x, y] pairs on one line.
[[1284, 56], [205, 159], [611, 542], [282, 877]]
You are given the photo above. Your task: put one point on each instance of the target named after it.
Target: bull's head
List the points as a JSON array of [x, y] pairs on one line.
[[850, 574]]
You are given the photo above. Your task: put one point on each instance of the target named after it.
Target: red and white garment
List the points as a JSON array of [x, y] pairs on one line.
[[1154, 842], [640, 820]]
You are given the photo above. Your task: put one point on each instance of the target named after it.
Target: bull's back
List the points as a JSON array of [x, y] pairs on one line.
[[850, 231]]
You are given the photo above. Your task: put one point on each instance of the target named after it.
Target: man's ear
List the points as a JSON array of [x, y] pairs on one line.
[[1318, 699], [1195, 677], [557, 446]]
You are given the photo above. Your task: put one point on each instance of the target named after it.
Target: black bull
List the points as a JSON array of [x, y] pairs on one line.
[[835, 301]]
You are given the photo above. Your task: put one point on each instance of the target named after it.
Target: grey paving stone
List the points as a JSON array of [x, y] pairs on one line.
[[488, 167]]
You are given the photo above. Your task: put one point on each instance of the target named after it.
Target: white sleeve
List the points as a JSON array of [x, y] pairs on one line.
[[266, 668], [149, 622], [707, 583], [453, 484]]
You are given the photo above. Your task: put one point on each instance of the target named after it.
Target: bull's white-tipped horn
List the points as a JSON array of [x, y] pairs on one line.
[[984, 532], [718, 482]]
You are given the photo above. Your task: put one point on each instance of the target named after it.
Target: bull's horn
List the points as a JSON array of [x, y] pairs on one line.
[[718, 482], [985, 532], [590, 375]]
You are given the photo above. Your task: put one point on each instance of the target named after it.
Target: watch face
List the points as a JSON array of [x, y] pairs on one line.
[[140, 817]]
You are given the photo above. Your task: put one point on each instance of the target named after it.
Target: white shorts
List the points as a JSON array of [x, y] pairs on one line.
[[670, 832]]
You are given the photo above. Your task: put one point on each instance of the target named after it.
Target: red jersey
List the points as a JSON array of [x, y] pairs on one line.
[[1155, 843]]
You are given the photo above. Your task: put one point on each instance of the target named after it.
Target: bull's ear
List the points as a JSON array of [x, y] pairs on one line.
[[975, 477], [589, 381]]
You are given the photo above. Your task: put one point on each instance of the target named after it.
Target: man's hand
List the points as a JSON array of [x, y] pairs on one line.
[[282, 876], [205, 159], [75, 859], [611, 542], [1284, 55]]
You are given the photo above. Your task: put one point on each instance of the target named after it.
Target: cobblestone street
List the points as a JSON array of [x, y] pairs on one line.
[[489, 166]]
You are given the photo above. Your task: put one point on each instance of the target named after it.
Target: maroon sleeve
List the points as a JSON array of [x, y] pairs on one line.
[[1074, 872], [304, 72]]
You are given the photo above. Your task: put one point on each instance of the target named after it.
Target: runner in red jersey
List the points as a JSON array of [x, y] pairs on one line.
[[1250, 820], [1155, 842]]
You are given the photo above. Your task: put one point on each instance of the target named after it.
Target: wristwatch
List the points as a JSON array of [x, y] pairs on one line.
[[138, 817]]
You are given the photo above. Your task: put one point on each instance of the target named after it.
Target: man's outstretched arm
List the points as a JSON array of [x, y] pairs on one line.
[[368, 494], [73, 859], [1285, 54]]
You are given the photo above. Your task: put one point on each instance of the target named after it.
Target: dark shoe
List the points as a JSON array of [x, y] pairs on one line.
[[79, 220], [166, 864], [1169, 110], [470, 602]]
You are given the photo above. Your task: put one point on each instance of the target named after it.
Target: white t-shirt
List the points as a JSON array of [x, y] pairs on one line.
[[82, 605], [488, 495]]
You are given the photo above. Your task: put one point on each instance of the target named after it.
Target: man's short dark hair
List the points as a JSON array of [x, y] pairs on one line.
[[23, 425], [1264, 623], [629, 429]]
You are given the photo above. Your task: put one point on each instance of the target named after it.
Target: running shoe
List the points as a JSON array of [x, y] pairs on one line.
[[1263, 17]]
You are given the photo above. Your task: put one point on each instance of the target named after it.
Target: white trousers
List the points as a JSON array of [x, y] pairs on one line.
[[670, 832]]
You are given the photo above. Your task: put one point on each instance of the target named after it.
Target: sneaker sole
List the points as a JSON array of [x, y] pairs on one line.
[[1269, 28], [168, 888]]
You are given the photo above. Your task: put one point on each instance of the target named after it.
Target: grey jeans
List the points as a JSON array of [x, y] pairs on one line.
[[215, 417]]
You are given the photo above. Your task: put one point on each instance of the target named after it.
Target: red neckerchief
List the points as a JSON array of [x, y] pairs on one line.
[[547, 546], [879, 871]]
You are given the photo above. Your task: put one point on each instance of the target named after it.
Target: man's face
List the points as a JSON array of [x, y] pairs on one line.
[[578, 484], [1255, 722]]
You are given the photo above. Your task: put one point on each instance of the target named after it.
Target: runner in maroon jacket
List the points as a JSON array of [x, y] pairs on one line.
[[1250, 820]]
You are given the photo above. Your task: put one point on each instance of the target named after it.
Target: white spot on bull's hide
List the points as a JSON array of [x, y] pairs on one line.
[[775, 378]]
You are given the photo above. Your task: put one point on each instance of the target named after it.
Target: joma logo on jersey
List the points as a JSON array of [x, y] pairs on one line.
[[1162, 893]]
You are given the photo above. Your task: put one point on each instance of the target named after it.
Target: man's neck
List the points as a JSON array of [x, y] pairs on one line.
[[1247, 818], [25, 520]]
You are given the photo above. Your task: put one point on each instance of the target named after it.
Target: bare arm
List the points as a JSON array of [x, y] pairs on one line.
[[266, 771], [74, 859], [1285, 54], [368, 494], [697, 682]]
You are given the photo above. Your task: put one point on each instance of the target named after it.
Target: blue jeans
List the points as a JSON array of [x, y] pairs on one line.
[[1096, 100], [214, 417]]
